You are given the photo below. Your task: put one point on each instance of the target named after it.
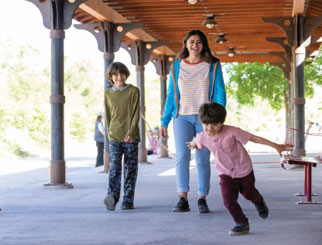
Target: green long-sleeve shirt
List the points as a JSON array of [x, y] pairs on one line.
[[122, 110]]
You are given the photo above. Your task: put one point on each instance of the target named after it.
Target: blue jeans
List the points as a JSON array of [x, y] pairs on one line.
[[185, 127]]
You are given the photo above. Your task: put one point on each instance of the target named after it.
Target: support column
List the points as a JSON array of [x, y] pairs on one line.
[[298, 30], [291, 105], [299, 97], [108, 36], [57, 100], [108, 59], [140, 81], [57, 16], [140, 53], [162, 63]]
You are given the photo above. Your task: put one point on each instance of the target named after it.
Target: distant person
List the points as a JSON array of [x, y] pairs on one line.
[[233, 163], [122, 111], [154, 141], [195, 78], [99, 138], [151, 138]]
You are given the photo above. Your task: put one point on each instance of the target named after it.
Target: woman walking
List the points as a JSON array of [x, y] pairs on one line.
[[195, 78]]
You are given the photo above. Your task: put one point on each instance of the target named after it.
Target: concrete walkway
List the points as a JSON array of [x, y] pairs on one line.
[[35, 215]]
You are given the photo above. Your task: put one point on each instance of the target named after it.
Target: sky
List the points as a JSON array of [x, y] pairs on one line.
[[21, 22]]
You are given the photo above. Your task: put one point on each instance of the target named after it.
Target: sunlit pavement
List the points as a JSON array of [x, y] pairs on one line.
[[34, 214]]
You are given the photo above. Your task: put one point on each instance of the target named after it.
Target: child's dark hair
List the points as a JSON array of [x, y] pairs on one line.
[[117, 67], [212, 113]]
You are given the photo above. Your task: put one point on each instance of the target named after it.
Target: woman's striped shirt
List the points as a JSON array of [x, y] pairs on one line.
[[193, 86]]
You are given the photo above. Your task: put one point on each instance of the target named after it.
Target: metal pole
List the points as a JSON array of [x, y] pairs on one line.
[[299, 97], [142, 145], [299, 102], [108, 59], [57, 99]]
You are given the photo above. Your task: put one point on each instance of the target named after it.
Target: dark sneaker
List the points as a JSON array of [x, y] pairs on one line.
[[262, 210], [182, 206], [127, 205], [110, 202], [202, 205], [239, 229]]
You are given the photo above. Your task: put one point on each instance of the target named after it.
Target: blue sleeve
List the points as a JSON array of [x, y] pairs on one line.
[[220, 92], [169, 104]]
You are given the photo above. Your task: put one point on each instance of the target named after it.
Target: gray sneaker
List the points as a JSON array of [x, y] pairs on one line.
[[127, 205], [182, 206], [110, 202], [202, 205], [262, 210], [239, 229]]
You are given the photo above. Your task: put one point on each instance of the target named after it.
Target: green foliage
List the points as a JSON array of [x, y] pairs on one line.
[[13, 147], [19, 151], [251, 80], [39, 127], [25, 91], [3, 122], [313, 74], [84, 98], [77, 127]]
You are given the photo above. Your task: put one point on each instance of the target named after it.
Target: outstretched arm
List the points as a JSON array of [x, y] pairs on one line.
[[279, 148]]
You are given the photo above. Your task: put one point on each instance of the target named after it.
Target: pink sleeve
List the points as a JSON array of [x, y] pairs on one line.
[[242, 136], [198, 141]]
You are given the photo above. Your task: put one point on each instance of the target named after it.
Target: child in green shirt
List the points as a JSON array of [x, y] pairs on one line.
[[122, 110]]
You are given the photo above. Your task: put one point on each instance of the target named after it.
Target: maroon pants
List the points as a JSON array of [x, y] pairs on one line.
[[230, 189]]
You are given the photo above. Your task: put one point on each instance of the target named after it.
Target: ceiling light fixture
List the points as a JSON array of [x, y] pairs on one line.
[[231, 51], [210, 22], [192, 1], [221, 38]]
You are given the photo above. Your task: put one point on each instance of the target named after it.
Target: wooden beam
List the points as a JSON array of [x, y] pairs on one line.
[[102, 12], [298, 7]]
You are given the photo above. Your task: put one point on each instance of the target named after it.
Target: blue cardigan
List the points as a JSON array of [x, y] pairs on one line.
[[217, 91]]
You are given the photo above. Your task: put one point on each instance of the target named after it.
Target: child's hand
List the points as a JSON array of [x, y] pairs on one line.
[[192, 145], [128, 139], [281, 148]]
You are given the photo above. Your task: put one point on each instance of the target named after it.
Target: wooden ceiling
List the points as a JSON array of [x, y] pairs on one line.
[[240, 21]]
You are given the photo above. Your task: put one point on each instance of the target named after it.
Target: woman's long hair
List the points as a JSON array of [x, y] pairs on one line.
[[205, 53]]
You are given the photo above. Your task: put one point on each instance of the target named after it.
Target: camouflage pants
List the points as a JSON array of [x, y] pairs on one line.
[[130, 152]]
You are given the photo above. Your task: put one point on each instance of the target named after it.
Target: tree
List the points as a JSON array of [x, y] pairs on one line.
[[24, 103], [250, 80]]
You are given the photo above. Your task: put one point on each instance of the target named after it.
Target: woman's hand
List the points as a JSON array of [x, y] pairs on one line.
[[164, 132]]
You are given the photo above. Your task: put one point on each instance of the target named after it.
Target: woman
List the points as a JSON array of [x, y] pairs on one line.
[[99, 138], [195, 78]]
